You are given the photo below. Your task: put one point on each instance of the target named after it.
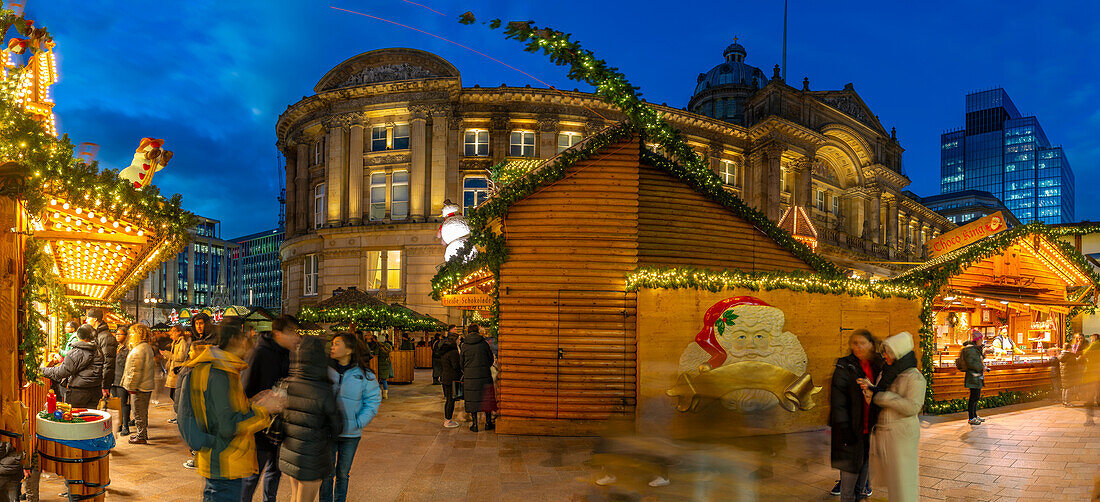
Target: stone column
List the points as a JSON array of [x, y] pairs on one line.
[[857, 214], [355, 175], [290, 154], [499, 134], [548, 137], [418, 168], [876, 217], [803, 195], [335, 175], [714, 159], [301, 185], [892, 238], [770, 182], [438, 177]]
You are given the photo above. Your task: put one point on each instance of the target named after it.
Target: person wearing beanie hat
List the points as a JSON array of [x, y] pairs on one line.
[[899, 396], [974, 379]]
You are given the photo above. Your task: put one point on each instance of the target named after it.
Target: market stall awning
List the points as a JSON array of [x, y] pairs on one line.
[[354, 306], [472, 292], [98, 256]]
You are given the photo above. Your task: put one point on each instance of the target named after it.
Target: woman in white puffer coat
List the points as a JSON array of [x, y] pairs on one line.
[[899, 395]]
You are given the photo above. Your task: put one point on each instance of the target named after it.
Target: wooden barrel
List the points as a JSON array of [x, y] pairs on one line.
[[88, 472], [423, 357], [402, 361]]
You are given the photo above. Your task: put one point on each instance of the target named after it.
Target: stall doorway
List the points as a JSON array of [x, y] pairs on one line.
[[596, 370]]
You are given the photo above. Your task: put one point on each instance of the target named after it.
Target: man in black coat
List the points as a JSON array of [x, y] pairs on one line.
[[82, 370], [477, 379], [268, 363], [108, 346]]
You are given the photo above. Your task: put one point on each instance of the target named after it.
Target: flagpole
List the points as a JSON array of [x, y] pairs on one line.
[[784, 40]]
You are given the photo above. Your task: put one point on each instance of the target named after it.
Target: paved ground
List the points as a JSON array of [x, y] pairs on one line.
[[1036, 452]]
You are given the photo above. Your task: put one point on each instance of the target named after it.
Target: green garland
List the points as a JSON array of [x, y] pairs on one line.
[[693, 278], [1002, 399], [369, 317]]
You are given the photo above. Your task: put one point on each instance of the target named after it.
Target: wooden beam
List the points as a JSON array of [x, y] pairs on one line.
[[119, 238]]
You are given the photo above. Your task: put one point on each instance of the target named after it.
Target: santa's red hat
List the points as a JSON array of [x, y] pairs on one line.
[[708, 337]]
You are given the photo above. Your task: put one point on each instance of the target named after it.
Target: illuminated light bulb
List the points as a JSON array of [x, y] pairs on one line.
[[116, 224], [78, 210], [65, 205], [103, 219], [53, 202]]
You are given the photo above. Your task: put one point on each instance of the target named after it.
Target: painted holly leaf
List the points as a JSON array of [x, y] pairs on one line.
[[467, 18]]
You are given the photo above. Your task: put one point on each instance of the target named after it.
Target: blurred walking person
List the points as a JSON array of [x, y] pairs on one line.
[[1090, 380], [140, 378], [81, 371], [181, 347], [217, 420], [358, 398], [108, 346], [850, 416], [899, 394], [381, 349], [477, 378], [125, 417], [451, 378], [268, 363], [972, 355], [311, 422]]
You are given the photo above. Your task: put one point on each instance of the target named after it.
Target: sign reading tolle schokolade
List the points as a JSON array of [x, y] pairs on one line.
[[967, 234]]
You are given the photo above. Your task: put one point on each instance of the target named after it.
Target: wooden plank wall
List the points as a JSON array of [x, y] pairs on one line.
[[11, 280], [679, 227], [571, 246]]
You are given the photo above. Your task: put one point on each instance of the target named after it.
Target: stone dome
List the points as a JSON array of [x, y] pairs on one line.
[[733, 71], [720, 92]]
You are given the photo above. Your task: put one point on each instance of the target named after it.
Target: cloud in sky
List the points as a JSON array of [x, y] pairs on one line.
[[211, 77]]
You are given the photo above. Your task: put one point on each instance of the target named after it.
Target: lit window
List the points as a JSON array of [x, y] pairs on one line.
[[393, 269], [821, 200], [477, 143], [377, 196], [374, 270], [567, 139], [319, 205], [399, 202], [783, 186], [522, 144], [319, 151], [401, 137], [310, 276], [475, 189], [836, 205], [727, 171], [377, 138]]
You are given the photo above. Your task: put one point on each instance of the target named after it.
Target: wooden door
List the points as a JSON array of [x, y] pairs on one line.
[[596, 369]]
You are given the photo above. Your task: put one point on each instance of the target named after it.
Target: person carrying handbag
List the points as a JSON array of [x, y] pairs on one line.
[[451, 378], [358, 398]]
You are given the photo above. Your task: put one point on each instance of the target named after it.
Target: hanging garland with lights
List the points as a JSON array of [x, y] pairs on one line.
[[38, 167], [1002, 399], [693, 278], [370, 317]]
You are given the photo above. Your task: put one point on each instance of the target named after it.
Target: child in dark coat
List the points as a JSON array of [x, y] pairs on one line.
[[312, 421]]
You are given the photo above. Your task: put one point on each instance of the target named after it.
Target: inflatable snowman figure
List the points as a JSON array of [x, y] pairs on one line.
[[454, 232]]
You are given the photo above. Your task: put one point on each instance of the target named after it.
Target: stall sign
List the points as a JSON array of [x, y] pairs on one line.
[[967, 234], [469, 300]]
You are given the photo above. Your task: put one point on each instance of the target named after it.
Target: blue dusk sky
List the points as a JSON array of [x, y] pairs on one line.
[[212, 77]]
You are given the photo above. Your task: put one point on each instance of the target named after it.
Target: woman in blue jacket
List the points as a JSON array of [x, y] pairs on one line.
[[358, 397]]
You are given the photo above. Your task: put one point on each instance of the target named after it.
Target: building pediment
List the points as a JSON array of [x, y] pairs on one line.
[[848, 102], [386, 65]]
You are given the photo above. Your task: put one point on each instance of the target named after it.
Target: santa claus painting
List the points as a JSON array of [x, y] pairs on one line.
[[743, 329]]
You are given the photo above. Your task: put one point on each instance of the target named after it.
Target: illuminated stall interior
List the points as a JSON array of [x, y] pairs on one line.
[[1018, 298]]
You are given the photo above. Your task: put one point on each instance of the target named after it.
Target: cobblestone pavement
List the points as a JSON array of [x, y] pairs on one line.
[[1028, 452]]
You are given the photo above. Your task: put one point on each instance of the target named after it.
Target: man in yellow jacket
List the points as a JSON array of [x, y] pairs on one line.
[[217, 420]]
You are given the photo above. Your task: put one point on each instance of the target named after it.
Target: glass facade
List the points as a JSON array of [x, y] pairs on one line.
[[257, 278], [1008, 155]]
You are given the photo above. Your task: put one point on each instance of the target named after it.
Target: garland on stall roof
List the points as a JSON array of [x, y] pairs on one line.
[[693, 278], [613, 87], [370, 317], [42, 294]]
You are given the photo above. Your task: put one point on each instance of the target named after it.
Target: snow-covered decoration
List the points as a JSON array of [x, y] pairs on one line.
[[149, 158], [454, 231]]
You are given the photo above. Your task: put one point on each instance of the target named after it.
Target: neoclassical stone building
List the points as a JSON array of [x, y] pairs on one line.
[[390, 134]]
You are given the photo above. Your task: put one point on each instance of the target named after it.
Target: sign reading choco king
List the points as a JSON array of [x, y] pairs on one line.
[[967, 234]]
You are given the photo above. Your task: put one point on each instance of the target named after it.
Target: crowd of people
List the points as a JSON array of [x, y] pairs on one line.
[[464, 366]]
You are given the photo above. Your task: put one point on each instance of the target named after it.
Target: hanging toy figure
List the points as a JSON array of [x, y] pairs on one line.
[[149, 158], [454, 231]]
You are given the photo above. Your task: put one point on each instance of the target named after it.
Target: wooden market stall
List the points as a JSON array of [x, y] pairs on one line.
[[353, 309], [1018, 289], [574, 350]]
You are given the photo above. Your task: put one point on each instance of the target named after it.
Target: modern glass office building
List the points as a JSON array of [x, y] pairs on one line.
[[256, 278], [1007, 154]]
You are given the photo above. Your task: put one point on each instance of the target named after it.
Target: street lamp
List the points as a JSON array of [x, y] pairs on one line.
[[152, 303]]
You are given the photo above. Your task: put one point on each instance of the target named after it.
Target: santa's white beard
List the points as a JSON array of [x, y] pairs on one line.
[[785, 352]]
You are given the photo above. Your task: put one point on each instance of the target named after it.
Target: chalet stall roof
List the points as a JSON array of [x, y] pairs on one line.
[[360, 307], [1055, 262], [519, 180]]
